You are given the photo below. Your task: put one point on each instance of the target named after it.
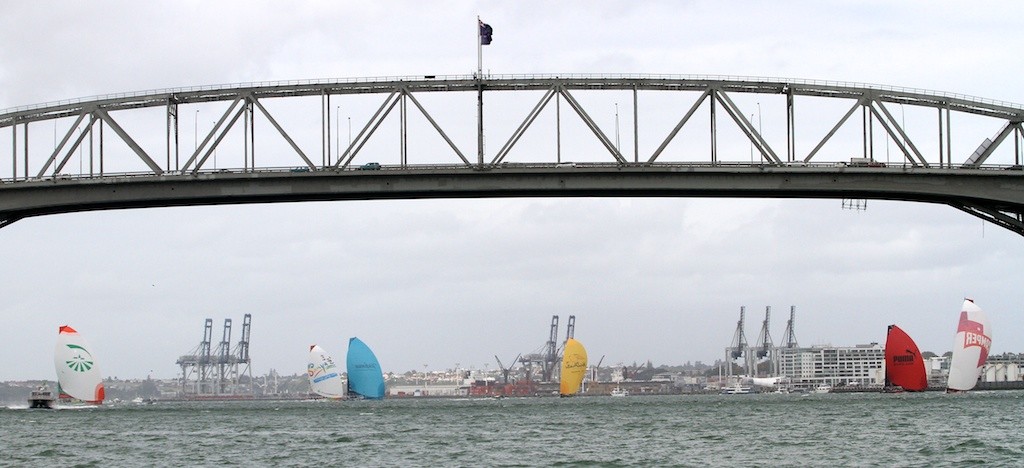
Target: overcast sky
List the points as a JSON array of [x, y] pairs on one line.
[[440, 283]]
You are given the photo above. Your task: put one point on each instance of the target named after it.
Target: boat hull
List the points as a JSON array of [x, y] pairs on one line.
[[41, 403]]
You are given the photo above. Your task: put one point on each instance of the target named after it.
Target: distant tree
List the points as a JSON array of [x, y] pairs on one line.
[[149, 389], [928, 354]]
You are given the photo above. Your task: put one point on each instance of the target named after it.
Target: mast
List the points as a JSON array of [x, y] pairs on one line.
[[888, 350]]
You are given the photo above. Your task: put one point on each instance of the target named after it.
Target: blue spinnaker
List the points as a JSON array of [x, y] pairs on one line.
[[364, 375]]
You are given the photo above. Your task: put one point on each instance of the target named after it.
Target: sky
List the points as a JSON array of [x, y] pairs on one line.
[[439, 284]]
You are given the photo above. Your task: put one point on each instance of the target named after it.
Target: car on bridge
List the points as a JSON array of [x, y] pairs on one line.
[[865, 162], [370, 166]]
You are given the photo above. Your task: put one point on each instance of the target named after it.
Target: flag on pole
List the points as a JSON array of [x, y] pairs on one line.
[[485, 33]]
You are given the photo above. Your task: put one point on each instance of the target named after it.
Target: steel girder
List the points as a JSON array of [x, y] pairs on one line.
[[244, 101]]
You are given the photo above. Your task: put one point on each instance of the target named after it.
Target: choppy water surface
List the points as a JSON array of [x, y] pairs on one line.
[[777, 430]]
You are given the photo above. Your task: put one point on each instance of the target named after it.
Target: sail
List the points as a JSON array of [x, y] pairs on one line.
[[574, 367], [324, 379], [904, 365], [77, 373], [970, 348], [364, 375]]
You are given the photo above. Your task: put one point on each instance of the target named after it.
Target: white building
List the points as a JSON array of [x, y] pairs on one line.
[[835, 366]]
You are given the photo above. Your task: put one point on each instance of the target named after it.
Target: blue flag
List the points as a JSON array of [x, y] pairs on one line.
[[485, 33]]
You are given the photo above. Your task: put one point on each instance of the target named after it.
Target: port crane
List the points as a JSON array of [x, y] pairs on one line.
[[240, 355], [546, 357], [788, 337], [765, 341], [195, 366], [739, 347], [506, 370], [224, 358], [593, 370], [209, 371]]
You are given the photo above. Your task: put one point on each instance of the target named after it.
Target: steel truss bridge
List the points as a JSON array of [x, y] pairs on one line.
[[132, 168]]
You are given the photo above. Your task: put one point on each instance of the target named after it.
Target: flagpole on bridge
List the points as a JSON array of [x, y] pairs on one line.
[[483, 38], [479, 47]]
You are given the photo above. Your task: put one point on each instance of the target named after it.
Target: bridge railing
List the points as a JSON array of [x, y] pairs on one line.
[[486, 77], [299, 170]]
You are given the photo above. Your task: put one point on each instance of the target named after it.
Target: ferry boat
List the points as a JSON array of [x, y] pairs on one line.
[[619, 392], [737, 389], [41, 398], [823, 389]]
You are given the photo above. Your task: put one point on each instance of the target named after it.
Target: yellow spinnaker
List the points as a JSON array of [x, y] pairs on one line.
[[574, 367]]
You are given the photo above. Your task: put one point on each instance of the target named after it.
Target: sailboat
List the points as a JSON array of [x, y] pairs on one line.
[[904, 366], [364, 376], [574, 367], [970, 348], [324, 379], [78, 376]]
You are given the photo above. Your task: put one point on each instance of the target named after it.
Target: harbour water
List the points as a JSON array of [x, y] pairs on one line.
[[924, 429]]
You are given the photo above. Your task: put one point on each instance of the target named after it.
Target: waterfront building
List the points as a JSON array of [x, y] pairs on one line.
[[833, 366]]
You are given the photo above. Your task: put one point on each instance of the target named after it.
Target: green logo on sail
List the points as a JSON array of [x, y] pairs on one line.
[[81, 361]]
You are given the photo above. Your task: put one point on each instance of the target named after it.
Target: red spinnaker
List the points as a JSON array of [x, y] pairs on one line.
[[903, 363]]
